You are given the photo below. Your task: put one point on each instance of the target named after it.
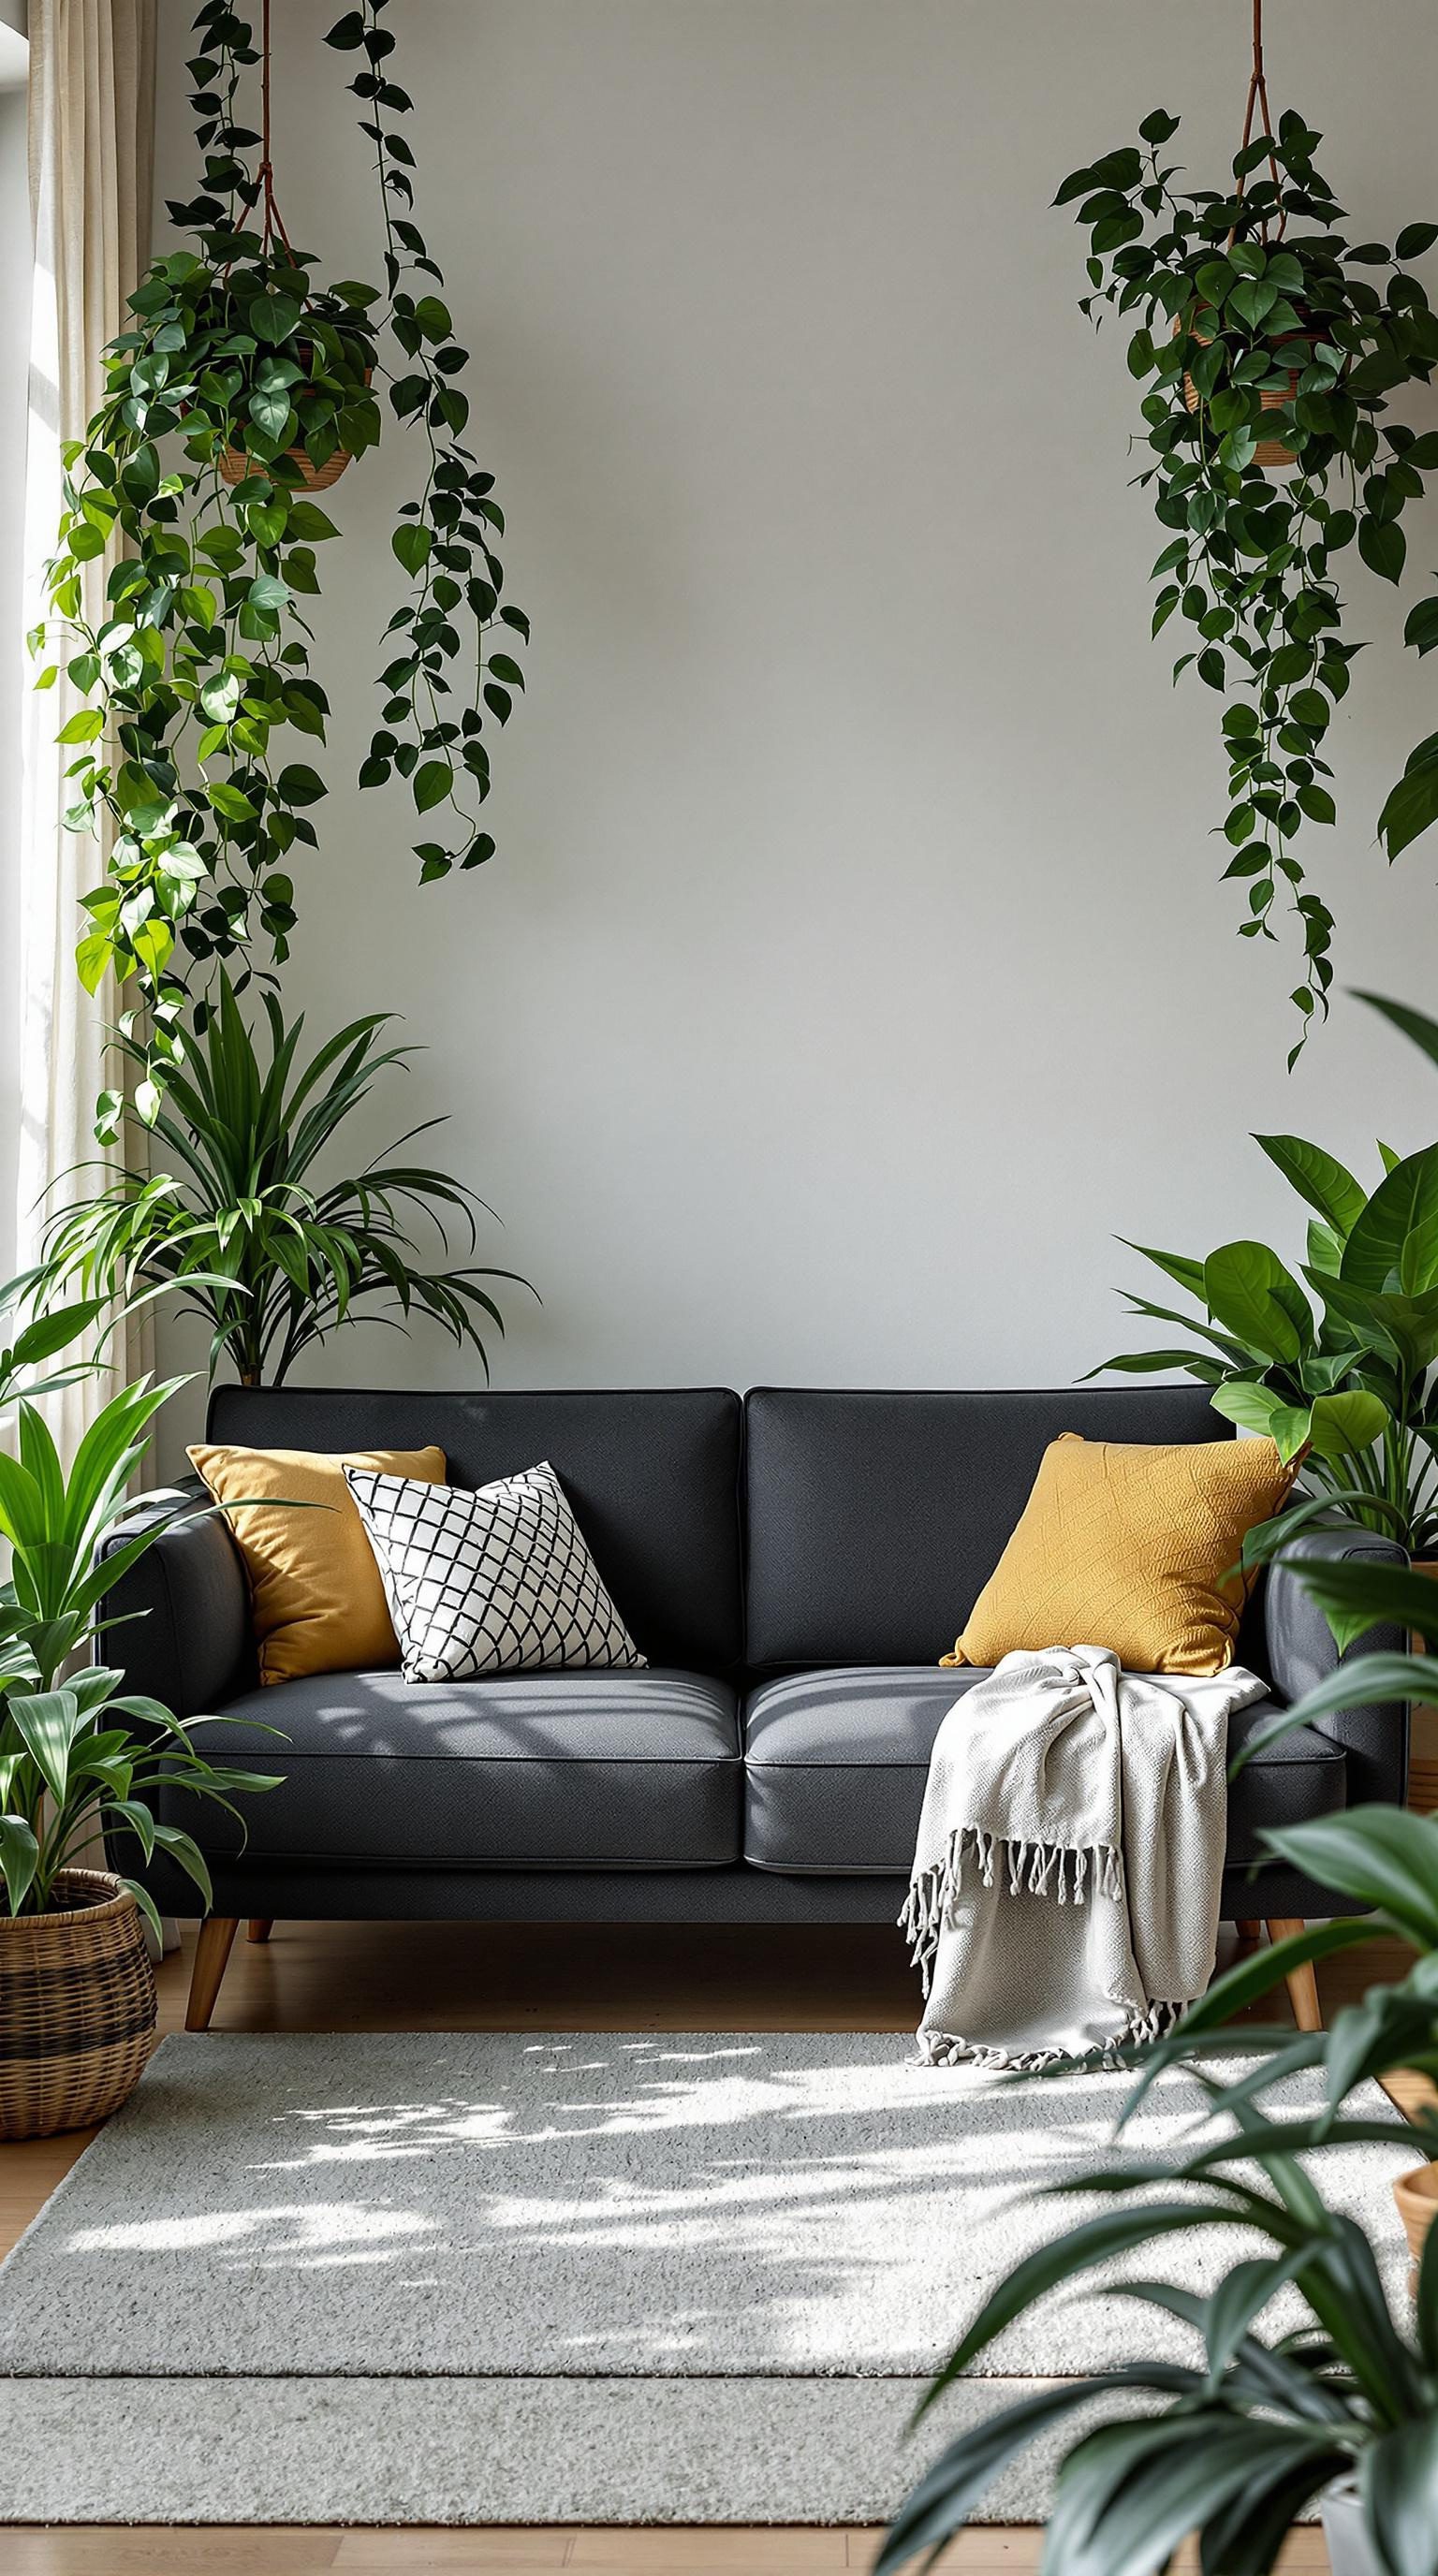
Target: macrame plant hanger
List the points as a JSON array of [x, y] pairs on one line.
[[234, 462], [273, 222], [1257, 97]]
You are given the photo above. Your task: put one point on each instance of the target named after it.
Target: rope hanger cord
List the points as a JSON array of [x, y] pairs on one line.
[[1257, 96], [274, 221]]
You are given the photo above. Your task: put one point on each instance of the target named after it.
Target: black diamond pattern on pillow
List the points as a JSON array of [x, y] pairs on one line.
[[495, 1581]]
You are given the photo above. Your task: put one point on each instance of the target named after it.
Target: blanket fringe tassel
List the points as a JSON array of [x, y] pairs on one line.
[[1064, 1871], [945, 2048]]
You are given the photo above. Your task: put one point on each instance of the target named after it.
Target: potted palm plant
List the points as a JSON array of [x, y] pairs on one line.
[[83, 1764], [243, 1227]]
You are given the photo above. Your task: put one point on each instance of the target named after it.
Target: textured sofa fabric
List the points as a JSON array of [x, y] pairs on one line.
[[836, 1763], [778, 1779], [875, 1520], [601, 1770], [652, 1473]]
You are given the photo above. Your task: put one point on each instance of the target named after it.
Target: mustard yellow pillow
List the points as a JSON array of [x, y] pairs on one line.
[[318, 1602], [1130, 1548]]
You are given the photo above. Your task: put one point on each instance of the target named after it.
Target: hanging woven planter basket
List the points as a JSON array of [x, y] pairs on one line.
[[1269, 451], [235, 464], [77, 2008]]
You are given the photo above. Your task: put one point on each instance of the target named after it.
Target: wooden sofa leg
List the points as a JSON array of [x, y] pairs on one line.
[[1248, 1931], [1302, 1983], [212, 1950], [260, 1927]]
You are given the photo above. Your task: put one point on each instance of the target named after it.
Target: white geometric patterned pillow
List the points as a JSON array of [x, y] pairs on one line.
[[498, 1580]]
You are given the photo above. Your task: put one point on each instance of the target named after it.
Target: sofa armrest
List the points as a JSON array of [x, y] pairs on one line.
[[1302, 1652], [183, 1632]]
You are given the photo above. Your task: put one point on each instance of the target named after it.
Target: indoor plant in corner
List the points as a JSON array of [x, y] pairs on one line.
[[1335, 1364], [1239, 2437], [82, 1764], [1334, 1361]]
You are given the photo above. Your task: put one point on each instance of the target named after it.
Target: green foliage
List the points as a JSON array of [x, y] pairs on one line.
[[242, 1227], [198, 675], [78, 1756], [1238, 294], [1236, 2445], [1337, 1366], [1244, 2438]]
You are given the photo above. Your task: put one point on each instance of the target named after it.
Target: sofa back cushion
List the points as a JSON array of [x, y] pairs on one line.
[[874, 1520], [652, 1474]]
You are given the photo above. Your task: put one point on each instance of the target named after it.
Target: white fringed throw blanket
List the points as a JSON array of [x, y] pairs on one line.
[[1065, 1890]]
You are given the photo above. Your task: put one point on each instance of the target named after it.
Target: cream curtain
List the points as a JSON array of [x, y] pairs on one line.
[[91, 127]]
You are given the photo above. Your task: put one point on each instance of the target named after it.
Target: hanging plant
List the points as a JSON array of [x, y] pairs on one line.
[[245, 385], [1270, 358]]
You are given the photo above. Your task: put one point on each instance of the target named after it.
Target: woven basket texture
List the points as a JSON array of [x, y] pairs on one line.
[[77, 2008]]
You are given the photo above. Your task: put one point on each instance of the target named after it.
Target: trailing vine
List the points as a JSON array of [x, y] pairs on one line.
[[1266, 356], [445, 539], [241, 381]]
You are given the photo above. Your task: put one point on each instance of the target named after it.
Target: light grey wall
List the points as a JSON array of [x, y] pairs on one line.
[[854, 967]]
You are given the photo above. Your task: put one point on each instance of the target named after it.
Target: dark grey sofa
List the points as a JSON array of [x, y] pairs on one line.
[[793, 1564]]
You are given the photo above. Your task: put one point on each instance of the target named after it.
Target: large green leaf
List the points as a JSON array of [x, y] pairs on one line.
[[1241, 2296], [1412, 805], [1414, 1024], [1180, 1267], [1356, 1593], [1365, 1681], [1255, 1407], [1342, 1425], [1268, 1539], [19, 1859], [1393, 1246], [1066, 2258], [945, 2496], [1399, 2482], [1318, 1179], [1129, 2494], [183, 1848], [1405, 1326], [48, 1721], [1380, 1856], [1249, 1290]]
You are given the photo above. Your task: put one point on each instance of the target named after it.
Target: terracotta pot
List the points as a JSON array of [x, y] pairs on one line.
[[1269, 451], [77, 2008], [1417, 2196]]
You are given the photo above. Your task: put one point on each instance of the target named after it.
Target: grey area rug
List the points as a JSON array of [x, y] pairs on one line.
[[478, 2277]]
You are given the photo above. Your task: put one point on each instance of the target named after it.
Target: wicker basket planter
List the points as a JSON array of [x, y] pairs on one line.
[[1269, 451], [77, 2008], [235, 464]]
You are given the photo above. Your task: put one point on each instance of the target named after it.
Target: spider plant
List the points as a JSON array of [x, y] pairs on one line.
[[240, 1225]]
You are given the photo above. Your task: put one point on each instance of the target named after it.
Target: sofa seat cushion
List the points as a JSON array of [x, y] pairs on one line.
[[603, 1770], [836, 1764]]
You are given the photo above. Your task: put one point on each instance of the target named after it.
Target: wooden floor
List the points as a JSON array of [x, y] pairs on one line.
[[350, 1976]]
